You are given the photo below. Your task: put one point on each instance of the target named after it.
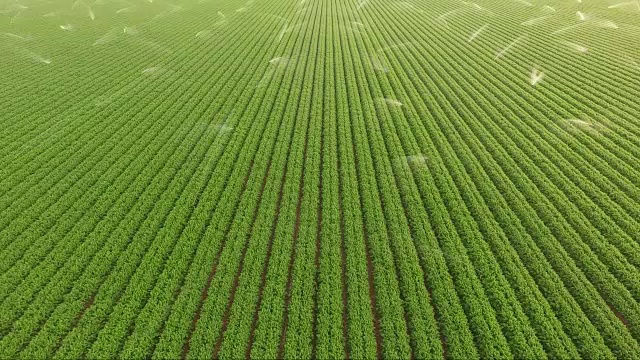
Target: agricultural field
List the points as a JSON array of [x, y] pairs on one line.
[[197, 179]]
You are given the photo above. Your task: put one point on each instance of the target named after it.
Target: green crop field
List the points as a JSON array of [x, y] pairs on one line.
[[197, 179]]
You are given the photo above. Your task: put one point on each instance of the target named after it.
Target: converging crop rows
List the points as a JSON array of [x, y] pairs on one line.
[[357, 179]]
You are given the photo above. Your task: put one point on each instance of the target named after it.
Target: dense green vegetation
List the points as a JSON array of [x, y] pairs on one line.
[[319, 179]]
